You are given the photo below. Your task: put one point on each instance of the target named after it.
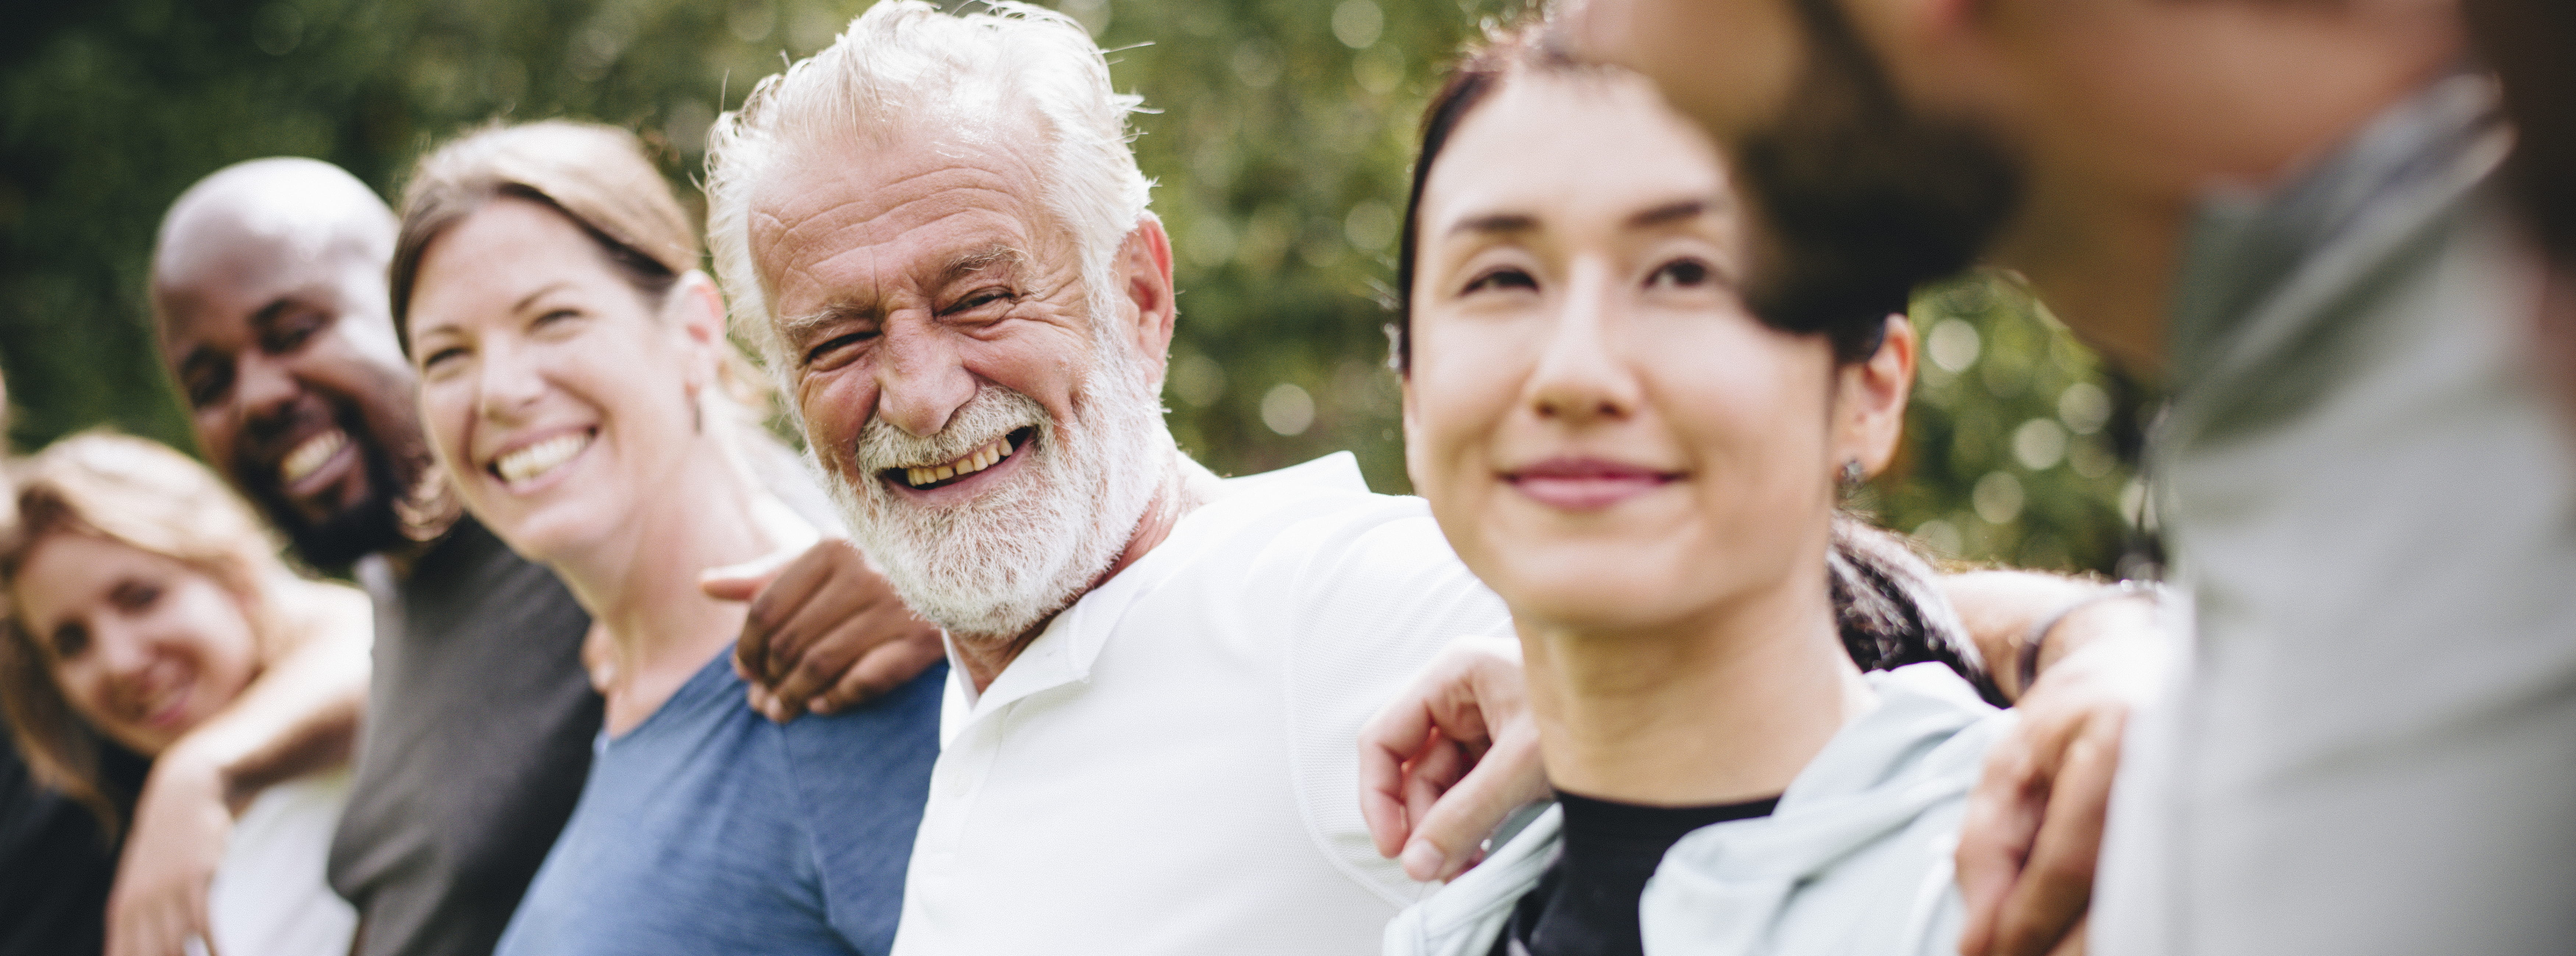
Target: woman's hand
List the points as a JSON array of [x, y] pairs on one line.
[[1445, 761], [825, 631], [181, 825]]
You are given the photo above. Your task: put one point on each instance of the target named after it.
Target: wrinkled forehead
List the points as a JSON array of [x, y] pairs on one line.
[[846, 212]]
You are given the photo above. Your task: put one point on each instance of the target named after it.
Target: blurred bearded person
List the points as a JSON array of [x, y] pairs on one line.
[[2297, 217], [939, 240]]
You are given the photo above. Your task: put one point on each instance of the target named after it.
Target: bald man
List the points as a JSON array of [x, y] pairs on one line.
[[269, 290]]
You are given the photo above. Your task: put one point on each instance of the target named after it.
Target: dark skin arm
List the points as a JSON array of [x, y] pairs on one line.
[[825, 631]]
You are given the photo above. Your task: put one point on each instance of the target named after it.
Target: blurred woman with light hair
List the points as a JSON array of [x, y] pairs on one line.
[[584, 404], [143, 599]]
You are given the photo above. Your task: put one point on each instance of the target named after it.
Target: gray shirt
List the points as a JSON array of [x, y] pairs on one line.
[[478, 736], [2372, 749]]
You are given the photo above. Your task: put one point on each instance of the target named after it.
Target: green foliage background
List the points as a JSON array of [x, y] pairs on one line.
[[1281, 141]]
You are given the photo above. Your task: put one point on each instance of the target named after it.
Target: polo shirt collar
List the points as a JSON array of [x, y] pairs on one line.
[[1065, 651]]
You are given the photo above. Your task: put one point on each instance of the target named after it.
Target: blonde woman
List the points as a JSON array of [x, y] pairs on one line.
[[582, 399], [143, 600]]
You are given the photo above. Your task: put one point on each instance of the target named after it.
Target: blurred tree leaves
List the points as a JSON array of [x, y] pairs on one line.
[[2019, 445], [1280, 142]]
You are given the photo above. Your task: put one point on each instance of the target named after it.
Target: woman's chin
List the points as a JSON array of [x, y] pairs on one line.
[[550, 534], [1589, 602]]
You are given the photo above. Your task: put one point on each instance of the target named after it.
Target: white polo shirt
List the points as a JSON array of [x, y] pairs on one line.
[[1171, 767]]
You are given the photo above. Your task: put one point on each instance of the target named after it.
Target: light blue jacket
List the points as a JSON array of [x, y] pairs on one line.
[[1855, 860]]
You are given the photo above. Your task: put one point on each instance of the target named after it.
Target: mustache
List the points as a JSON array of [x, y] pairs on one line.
[[993, 412]]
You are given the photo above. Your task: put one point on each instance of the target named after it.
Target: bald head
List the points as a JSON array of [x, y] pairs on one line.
[[268, 286], [268, 212]]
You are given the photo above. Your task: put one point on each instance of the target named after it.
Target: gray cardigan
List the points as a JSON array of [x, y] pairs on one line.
[[1856, 859]]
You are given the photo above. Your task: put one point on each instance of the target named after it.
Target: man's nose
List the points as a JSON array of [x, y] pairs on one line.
[[266, 390], [921, 381]]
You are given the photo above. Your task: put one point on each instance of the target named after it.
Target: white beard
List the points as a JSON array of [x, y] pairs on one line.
[[991, 568]]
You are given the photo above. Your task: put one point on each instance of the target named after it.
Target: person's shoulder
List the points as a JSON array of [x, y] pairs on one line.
[[1933, 716], [860, 780], [1327, 489], [881, 750], [469, 583], [1315, 530], [902, 712]]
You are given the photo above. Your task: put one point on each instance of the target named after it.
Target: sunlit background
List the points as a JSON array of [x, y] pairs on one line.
[[1280, 141]]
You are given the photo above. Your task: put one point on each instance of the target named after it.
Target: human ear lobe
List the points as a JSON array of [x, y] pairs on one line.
[[696, 307], [1871, 398], [696, 310], [1415, 449], [1145, 277]]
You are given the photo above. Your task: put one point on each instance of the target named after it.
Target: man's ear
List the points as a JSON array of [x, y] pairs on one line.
[[1869, 400], [1144, 277]]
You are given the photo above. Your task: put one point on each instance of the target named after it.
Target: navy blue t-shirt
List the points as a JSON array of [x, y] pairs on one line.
[[708, 829]]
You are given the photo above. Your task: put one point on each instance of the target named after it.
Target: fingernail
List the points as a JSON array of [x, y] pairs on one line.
[[1422, 861]]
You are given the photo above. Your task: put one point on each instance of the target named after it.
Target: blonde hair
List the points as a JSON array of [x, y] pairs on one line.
[[595, 176], [145, 496], [902, 63]]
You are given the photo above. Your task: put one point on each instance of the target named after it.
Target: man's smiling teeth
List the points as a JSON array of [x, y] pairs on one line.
[[966, 464], [537, 459], [310, 455]]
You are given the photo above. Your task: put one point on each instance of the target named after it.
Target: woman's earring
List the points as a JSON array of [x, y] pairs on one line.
[[697, 412], [1851, 475]]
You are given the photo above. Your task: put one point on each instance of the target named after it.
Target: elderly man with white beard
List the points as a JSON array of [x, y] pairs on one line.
[[934, 232], [937, 236]]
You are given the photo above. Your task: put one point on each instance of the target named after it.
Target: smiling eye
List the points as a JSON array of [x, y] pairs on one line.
[[207, 385], [1680, 274], [291, 331], [838, 350], [981, 298], [135, 595], [1506, 278], [70, 642], [441, 357]]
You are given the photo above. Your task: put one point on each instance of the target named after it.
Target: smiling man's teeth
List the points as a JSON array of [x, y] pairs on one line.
[[534, 460], [308, 457], [966, 464]]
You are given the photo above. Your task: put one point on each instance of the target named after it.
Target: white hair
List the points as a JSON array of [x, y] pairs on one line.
[[903, 60]]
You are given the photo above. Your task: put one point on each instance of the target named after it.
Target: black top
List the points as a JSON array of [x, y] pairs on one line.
[[478, 736], [56, 865], [1586, 904]]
